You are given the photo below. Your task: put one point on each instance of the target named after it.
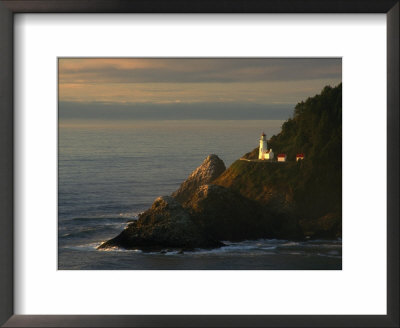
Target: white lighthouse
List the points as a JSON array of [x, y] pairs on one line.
[[263, 146], [263, 152]]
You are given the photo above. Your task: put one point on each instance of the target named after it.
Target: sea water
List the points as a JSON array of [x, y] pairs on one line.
[[110, 171]]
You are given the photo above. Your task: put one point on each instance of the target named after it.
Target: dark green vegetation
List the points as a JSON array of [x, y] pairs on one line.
[[256, 199], [309, 190]]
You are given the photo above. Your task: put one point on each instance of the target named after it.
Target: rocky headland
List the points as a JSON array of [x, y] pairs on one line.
[[169, 222], [255, 199]]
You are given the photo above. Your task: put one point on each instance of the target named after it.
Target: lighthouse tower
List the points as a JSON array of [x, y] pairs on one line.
[[264, 153], [263, 146]]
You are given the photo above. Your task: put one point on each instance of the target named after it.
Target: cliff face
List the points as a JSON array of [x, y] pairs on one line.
[[295, 205], [227, 215], [262, 182]]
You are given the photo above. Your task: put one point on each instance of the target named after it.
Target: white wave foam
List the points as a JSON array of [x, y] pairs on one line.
[[130, 215], [291, 243], [114, 248]]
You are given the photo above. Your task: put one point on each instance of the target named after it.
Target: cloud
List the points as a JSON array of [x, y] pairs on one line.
[[255, 92], [206, 70]]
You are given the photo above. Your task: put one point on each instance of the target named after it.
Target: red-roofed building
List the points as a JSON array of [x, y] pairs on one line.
[[282, 157], [299, 157]]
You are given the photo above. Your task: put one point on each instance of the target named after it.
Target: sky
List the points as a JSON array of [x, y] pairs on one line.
[[209, 88]]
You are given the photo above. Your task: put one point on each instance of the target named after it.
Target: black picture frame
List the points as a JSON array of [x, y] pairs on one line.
[[10, 7]]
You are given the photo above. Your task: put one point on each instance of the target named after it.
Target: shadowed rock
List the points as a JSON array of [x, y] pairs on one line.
[[227, 215], [165, 224], [327, 226]]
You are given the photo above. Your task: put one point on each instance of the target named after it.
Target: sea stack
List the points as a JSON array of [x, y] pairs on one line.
[[211, 168]]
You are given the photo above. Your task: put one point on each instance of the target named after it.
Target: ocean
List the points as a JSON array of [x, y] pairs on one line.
[[110, 171]]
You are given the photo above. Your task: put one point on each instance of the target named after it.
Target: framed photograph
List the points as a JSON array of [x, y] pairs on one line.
[[208, 164], [160, 165]]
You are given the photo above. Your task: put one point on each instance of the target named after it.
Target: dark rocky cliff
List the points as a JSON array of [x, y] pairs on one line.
[[165, 224], [292, 202]]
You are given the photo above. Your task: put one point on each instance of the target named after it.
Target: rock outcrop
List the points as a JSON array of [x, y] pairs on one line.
[[327, 226], [165, 225], [226, 215], [258, 181], [211, 168], [201, 214]]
